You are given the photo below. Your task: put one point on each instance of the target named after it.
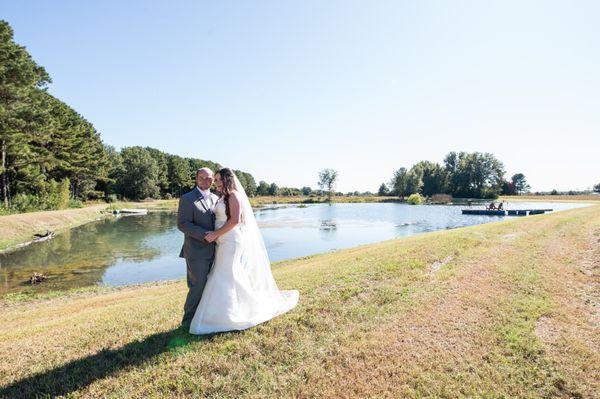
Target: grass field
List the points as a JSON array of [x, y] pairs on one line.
[[508, 309]]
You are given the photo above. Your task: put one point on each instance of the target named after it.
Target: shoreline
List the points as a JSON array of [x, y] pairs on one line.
[[482, 310], [17, 230]]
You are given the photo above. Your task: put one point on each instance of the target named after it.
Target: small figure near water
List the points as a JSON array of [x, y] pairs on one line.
[[37, 278], [43, 237], [491, 207]]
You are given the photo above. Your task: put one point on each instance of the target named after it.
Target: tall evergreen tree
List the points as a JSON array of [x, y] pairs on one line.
[[20, 80]]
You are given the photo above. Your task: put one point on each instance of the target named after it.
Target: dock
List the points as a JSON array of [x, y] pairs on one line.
[[131, 211], [509, 212]]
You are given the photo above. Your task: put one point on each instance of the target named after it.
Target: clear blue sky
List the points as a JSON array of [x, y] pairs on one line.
[[283, 89]]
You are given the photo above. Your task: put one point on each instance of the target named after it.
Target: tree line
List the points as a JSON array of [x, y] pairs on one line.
[[145, 172], [462, 174], [52, 157]]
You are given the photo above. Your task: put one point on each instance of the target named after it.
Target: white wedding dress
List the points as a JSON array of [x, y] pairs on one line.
[[240, 291]]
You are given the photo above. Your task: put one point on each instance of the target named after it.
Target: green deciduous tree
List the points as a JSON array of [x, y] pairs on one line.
[[433, 176], [383, 190], [247, 181], [327, 181], [263, 188], [520, 183], [405, 183], [140, 177], [273, 189], [178, 175], [478, 175], [164, 178]]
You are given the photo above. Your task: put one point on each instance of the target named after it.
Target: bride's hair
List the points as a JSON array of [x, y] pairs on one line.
[[228, 180]]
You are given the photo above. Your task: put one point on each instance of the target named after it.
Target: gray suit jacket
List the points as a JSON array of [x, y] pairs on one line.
[[194, 218]]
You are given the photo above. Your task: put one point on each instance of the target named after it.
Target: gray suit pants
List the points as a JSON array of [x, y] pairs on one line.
[[197, 272]]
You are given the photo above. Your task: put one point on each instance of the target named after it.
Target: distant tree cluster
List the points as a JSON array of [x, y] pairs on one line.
[[465, 175], [144, 172]]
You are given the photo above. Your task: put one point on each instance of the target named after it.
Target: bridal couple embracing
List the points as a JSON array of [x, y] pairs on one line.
[[229, 277]]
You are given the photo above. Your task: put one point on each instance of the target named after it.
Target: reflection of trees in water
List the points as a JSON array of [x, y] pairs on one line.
[[79, 257], [328, 227]]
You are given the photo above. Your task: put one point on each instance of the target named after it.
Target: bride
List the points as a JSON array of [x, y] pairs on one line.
[[240, 291]]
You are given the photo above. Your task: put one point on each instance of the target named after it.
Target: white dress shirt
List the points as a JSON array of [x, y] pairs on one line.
[[207, 195]]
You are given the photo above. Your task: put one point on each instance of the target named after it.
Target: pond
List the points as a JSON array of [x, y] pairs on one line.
[[137, 249]]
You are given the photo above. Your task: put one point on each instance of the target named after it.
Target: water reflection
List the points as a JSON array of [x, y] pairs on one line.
[[138, 249], [79, 257]]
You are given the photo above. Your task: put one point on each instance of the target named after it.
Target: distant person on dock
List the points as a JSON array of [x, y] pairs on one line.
[[491, 207], [500, 206]]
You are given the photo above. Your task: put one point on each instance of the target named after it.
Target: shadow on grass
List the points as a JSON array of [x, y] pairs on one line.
[[80, 373]]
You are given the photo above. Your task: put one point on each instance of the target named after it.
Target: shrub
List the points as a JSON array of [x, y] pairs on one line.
[[94, 195], [110, 198], [75, 203], [415, 199], [5, 211], [26, 203]]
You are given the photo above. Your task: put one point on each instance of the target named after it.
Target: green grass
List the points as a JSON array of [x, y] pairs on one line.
[[373, 321]]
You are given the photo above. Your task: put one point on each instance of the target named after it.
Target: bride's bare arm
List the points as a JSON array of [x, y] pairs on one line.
[[235, 216]]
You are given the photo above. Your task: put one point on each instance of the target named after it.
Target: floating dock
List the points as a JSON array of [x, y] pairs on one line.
[[510, 212]]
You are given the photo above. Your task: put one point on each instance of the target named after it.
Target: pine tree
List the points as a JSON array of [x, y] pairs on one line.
[[20, 78]]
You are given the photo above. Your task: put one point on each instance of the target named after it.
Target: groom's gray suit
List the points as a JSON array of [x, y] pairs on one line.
[[194, 218]]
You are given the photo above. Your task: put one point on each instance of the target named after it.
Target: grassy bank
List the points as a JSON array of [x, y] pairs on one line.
[[499, 310], [19, 228], [552, 198]]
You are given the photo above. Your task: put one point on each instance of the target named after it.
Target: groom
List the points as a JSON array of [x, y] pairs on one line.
[[194, 218]]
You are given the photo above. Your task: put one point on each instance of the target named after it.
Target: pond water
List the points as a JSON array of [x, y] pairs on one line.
[[137, 249]]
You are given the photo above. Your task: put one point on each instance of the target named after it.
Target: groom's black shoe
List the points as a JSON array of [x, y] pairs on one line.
[[185, 325]]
